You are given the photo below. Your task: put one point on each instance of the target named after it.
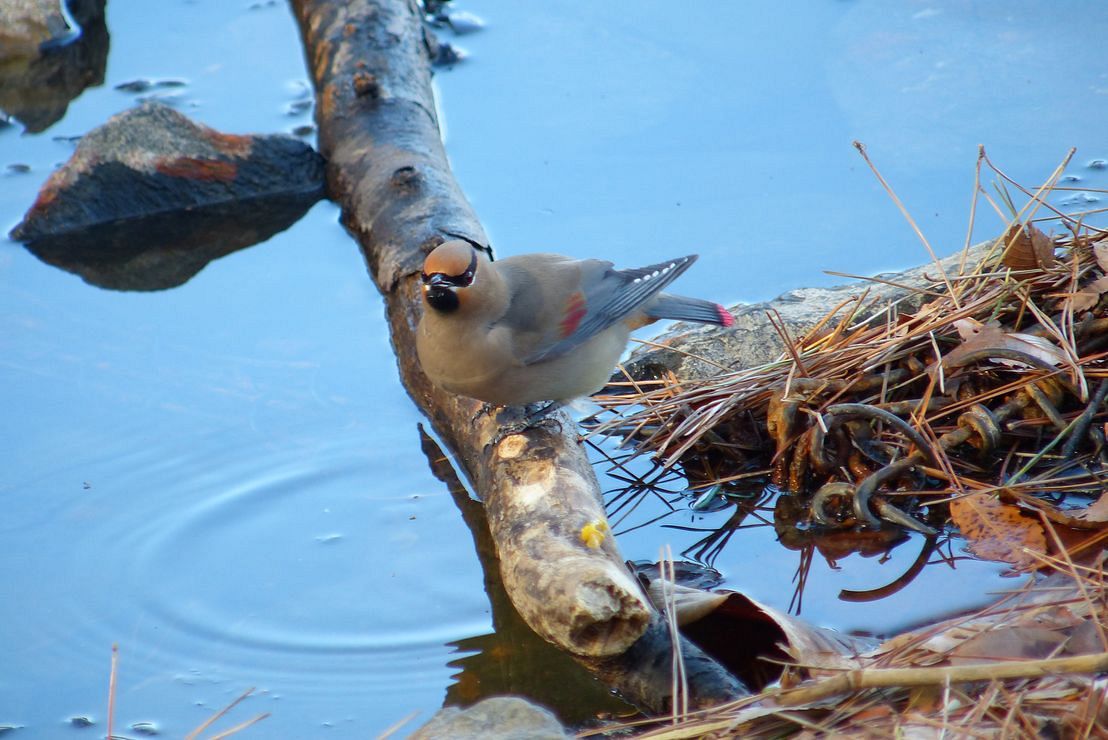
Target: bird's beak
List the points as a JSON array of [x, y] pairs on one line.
[[436, 280]]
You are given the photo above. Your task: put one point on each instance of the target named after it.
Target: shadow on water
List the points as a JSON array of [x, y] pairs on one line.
[[728, 526]]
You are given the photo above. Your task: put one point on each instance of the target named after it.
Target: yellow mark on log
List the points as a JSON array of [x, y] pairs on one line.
[[594, 533]]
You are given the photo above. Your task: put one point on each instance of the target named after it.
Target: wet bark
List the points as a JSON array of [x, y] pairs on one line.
[[370, 62]]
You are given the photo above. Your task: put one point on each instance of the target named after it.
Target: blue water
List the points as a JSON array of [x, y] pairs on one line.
[[226, 478]]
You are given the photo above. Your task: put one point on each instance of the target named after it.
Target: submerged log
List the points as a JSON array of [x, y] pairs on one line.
[[370, 61]]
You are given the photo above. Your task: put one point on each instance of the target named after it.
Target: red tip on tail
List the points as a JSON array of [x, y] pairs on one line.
[[725, 316]]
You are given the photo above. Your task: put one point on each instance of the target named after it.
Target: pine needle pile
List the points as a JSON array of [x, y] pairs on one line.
[[983, 405]]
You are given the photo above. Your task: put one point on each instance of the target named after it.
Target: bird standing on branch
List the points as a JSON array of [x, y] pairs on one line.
[[539, 327]]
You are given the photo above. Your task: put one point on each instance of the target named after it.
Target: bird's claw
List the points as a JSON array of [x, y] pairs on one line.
[[486, 409], [531, 418], [535, 412]]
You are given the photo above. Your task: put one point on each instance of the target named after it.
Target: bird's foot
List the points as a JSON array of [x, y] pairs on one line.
[[486, 409], [516, 420], [535, 412]]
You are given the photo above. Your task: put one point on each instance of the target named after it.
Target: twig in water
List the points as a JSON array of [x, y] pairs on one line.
[[215, 717], [680, 687], [111, 688], [240, 727]]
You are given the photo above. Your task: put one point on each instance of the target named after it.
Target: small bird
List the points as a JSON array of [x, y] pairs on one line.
[[539, 327]]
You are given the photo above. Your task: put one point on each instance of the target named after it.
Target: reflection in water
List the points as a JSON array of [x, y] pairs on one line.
[[150, 197], [37, 90], [163, 251], [512, 659], [749, 502]]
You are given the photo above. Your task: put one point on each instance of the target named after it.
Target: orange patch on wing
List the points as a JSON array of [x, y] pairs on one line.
[[575, 311]]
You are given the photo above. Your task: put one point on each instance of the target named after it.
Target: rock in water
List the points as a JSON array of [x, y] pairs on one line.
[[151, 197], [495, 718]]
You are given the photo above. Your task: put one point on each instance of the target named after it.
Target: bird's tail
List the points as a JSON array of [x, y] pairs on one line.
[[666, 306]]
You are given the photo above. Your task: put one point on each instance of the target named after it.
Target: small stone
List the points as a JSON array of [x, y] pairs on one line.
[[448, 55], [135, 86], [298, 107], [462, 22], [81, 722], [495, 718]]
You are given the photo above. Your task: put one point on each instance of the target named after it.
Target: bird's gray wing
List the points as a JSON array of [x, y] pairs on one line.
[[604, 297]]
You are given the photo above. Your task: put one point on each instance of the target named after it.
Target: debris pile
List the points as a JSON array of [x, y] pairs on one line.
[[983, 405]]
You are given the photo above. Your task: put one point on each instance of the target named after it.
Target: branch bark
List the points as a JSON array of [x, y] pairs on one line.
[[370, 62]]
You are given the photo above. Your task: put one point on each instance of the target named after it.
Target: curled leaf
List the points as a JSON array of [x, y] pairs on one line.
[[754, 640], [979, 337], [689, 604]]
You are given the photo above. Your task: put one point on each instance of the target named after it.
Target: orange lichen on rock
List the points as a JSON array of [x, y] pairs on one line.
[[233, 145], [211, 170]]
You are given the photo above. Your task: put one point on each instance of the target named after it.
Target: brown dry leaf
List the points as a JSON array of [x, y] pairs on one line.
[[1100, 251], [1089, 296], [1028, 248], [1097, 511], [997, 531], [977, 336], [689, 604], [1010, 643], [806, 643]]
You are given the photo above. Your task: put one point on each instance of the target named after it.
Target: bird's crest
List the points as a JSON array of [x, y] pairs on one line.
[[453, 260]]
